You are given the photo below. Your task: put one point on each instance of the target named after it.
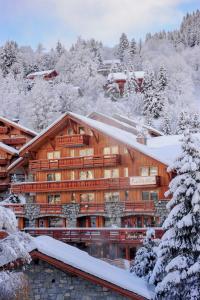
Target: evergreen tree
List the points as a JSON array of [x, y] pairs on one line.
[[60, 49], [162, 79], [123, 46], [177, 270], [145, 258], [183, 122], [8, 56], [166, 125], [133, 48], [195, 123]]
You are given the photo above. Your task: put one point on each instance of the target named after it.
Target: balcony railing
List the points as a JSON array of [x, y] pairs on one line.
[[85, 208], [3, 129], [4, 186], [121, 235], [72, 140], [75, 162], [14, 140], [77, 185]]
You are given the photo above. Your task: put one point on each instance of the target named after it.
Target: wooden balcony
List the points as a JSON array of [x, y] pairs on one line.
[[75, 162], [92, 208], [75, 140], [18, 209], [76, 185], [120, 235], [14, 140], [144, 206], [3, 129], [3, 161]]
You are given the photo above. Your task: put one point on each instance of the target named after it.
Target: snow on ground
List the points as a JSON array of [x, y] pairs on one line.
[[94, 266]]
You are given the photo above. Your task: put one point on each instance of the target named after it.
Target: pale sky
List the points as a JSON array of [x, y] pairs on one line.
[[32, 21]]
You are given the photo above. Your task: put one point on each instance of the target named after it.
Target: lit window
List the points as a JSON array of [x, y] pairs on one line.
[[86, 175], [111, 196], [53, 155], [53, 199], [125, 150], [86, 152], [106, 150], [153, 171], [89, 197], [114, 150], [72, 175], [54, 177], [144, 171], [72, 153], [81, 130], [125, 172]]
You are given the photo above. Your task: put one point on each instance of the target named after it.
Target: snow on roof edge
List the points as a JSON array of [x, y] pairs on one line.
[[8, 148], [14, 124]]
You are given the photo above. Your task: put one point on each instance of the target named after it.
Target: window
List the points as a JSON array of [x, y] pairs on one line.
[[72, 153], [70, 131], [86, 175], [149, 171], [54, 177], [152, 195], [73, 198], [126, 193], [153, 171], [125, 150], [125, 172], [89, 197], [53, 199], [111, 173], [93, 221], [81, 130], [72, 175], [111, 196], [111, 150], [56, 222], [86, 152], [53, 155]]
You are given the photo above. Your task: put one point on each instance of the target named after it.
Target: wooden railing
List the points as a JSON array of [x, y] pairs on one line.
[[4, 186], [72, 140], [76, 185], [75, 162], [85, 208], [121, 235], [3, 129], [14, 140]]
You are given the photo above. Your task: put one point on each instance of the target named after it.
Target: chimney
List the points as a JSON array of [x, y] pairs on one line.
[[16, 120], [141, 138]]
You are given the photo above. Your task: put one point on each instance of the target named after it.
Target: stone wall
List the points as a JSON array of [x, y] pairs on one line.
[[49, 283]]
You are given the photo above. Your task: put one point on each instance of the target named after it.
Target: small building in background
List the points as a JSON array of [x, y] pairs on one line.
[[47, 75]]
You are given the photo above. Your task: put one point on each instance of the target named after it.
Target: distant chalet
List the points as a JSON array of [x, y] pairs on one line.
[[46, 75]]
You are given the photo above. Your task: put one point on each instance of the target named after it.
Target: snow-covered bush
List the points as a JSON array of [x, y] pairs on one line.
[[145, 258], [13, 247]]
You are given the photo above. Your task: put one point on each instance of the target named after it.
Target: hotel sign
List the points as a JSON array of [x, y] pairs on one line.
[[142, 180]]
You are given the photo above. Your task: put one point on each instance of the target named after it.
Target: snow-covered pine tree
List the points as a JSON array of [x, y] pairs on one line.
[[8, 56], [177, 270], [145, 258], [162, 79], [194, 122], [183, 122], [133, 48], [12, 247], [166, 125], [123, 46], [153, 97]]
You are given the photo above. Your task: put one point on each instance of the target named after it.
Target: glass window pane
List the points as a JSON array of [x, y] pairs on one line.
[[56, 154], [125, 172], [115, 173], [50, 177], [57, 176], [114, 150], [144, 171], [107, 173], [154, 196], [72, 153], [89, 174], [106, 150], [153, 171], [49, 155], [70, 131], [145, 195], [72, 175]]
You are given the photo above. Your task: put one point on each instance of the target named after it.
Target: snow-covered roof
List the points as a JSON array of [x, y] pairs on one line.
[[83, 261], [164, 154], [111, 61], [124, 76], [8, 149], [17, 125], [40, 73], [14, 163]]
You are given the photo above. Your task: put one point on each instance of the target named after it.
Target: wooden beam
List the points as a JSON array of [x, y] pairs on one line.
[[96, 135], [131, 155]]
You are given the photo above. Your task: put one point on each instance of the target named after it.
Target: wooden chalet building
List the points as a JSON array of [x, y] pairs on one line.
[[12, 137], [85, 177], [46, 75]]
